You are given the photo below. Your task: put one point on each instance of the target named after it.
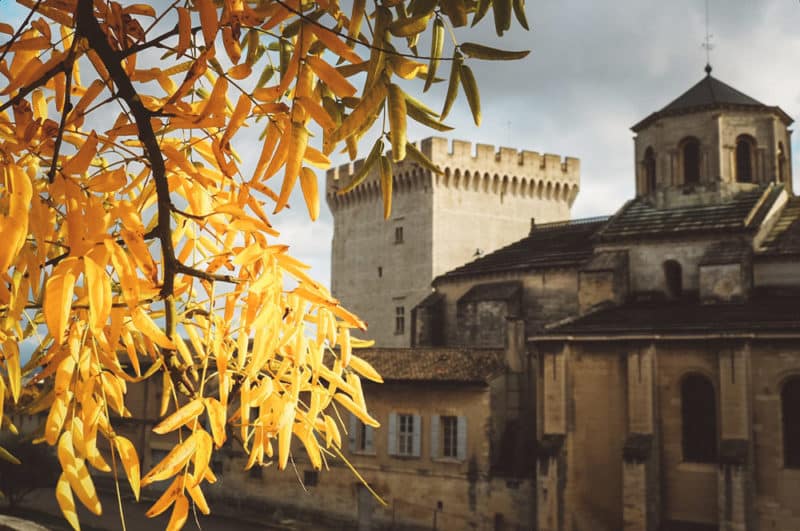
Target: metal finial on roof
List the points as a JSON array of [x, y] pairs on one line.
[[707, 44]]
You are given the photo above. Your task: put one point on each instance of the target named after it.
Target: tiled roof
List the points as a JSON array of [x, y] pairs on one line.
[[784, 238], [492, 291], [759, 314], [564, 243], [435, 364], [709, 93], [640, 217], [725, 252]]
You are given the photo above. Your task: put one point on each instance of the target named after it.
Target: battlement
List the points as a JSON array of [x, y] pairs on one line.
[[485, 158], [467, 166]]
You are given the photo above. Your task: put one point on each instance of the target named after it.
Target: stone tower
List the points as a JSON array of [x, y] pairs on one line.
[[485, 200], [709, 144]]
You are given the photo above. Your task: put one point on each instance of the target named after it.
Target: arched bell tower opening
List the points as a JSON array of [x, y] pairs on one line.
[[745, 155], [649, 167], [690, 158]]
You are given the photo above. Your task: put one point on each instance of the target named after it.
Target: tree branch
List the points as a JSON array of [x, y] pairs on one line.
[[65, 110], [89, 27]]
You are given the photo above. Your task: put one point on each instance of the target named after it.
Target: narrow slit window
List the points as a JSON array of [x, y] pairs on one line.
[[399, 320], [744, 159], [398, 235], [649, 163], [790, 409], [673, 278]]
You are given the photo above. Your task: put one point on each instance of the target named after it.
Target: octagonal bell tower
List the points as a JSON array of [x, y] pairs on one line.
[[710, 143]]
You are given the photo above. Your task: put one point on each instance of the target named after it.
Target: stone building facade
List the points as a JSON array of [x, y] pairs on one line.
[[482, 202], [665, 338]]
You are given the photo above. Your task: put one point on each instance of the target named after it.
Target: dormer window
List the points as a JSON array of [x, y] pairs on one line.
[[649, 165], [673, 278], [745, 148], [690, 153]]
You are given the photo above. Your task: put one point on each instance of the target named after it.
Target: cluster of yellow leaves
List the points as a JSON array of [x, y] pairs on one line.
[[138, 244]]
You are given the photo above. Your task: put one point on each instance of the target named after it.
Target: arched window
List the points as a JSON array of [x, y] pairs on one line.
[[690, 150], [699, 419], [673, 278], [790, 407], [781, 163], [649, 164], [745, 148]]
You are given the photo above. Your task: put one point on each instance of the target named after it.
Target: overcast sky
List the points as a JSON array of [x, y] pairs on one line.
[[596, 68]]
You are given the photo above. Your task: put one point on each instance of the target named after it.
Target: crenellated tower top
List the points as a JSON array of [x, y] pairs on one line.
[[479, 167]]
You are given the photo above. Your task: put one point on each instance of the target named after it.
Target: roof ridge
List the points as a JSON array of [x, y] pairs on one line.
[[570, 222]]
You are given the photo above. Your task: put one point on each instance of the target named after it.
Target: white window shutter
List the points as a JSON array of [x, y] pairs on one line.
[[434, 436], [462, 438], [368, 444], [352, 432], [392, 433], [417, 436]]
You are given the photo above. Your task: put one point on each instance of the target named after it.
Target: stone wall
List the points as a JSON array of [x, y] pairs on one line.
[[412, 487], [480, 203]]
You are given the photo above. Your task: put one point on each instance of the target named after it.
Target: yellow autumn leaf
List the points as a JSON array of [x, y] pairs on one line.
[[183, 415], [216, 419], [180, 512], [130, 462], [80, 161], [173, 461], [58, 294], [308, 183], [167, 498], [145, 324], [66, 502]]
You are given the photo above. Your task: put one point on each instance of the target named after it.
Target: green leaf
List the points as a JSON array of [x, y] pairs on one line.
[[471, 91], [479, 51], [363, 171]]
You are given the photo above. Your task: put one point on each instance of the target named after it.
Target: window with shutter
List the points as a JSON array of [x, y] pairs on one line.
[[404, 434], [449, 436], [361, 437], [435, 441]]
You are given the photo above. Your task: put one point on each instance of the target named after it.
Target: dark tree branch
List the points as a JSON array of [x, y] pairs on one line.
[[89, 27], [65, 110], [202, 275], [30, 87]]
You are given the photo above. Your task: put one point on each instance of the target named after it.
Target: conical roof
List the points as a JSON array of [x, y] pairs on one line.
[[709, 93]]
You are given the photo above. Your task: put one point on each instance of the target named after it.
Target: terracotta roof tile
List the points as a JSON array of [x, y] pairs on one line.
[[435, 364]]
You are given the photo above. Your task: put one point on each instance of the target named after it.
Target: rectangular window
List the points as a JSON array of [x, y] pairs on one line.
[[449, 436], [398, 235], [399, 320], [405, 435], [310, 478]]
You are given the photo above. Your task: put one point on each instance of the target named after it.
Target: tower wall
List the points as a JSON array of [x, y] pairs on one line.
[[484, 200]]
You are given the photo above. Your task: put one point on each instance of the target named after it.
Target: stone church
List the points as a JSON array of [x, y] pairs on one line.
[[650, 373]]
